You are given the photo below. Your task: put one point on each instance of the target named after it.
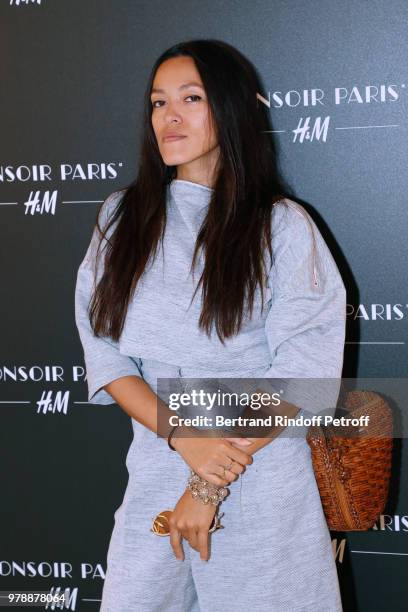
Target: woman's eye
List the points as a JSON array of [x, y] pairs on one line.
[[158, 103]]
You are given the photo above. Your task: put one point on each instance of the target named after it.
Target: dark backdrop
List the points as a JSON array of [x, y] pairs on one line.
[[72, 77]]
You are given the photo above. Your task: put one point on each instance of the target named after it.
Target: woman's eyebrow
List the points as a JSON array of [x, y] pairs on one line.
[[184, 86]]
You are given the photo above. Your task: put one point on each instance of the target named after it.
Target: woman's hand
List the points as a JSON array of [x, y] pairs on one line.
[[208, 456], [191, 519]]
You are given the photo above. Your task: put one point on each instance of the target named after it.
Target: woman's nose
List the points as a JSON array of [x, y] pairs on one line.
[[172, 113]]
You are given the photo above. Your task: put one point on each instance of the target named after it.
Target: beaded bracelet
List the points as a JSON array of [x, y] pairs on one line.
[[204, 490]]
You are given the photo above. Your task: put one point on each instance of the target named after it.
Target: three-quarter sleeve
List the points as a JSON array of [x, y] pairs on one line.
[[306, 324], [103, 361]]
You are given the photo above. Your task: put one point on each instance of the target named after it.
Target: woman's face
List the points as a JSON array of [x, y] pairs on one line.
[[180, 108]]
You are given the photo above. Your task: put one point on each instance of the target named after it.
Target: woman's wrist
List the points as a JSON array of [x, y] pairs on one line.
[[180, 434], [205, 491]]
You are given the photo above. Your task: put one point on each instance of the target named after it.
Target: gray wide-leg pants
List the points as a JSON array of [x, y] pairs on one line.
[[273, 555]]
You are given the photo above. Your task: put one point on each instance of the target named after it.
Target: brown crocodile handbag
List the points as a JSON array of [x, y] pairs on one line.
[[353, 466]]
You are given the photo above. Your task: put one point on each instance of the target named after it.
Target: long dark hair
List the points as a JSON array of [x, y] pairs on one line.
[[237, 229]]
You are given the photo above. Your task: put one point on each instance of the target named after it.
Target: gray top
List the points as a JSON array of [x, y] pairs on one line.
[[299, 334]]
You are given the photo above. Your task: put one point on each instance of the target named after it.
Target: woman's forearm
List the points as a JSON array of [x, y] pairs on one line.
[[140, 402], [266, 435]]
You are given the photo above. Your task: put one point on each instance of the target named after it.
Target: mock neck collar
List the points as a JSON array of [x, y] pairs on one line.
[[189, 192], [191, 200]]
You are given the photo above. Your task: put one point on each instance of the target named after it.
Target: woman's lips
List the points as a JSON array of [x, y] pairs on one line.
[[172, 138]]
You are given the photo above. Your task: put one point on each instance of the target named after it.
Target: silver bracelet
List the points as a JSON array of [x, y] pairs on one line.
[[204, 490]]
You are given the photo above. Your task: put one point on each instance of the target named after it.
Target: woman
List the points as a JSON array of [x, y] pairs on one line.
[[207, 189]]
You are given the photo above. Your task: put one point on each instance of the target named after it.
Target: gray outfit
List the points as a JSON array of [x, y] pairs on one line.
[[275, 551]]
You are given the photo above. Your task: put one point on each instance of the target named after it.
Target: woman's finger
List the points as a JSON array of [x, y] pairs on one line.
[[203, 543], [240, 441], [233, 465], [236, 468], [238, 455], [175, 541], [227, 475], [192, 537], [214, 479]]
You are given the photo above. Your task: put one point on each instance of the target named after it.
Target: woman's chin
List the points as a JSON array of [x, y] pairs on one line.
[[176, 160]]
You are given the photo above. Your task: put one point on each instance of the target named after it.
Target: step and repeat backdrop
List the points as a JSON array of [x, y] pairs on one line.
[[73, 73]]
